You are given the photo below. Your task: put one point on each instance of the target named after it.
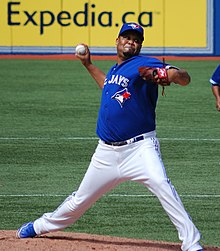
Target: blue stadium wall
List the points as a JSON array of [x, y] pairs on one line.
[[216, 28]]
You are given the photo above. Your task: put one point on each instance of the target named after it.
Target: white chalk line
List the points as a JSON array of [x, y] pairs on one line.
[[95, 138], [111, 195]]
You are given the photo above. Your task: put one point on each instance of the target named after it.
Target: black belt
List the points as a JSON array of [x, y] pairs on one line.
[[126, 142]]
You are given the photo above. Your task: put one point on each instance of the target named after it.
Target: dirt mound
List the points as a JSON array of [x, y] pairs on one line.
[[61, 241]]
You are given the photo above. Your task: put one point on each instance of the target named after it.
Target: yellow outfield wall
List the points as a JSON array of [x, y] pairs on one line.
[[177, 24]]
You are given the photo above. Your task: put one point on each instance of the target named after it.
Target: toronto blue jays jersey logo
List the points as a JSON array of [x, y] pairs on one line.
[[118, 80], [121, 96]]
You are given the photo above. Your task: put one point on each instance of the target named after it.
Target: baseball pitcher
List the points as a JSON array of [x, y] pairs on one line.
[[128, 148]]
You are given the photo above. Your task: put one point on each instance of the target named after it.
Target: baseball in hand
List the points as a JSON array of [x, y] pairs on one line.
[[80, 49]]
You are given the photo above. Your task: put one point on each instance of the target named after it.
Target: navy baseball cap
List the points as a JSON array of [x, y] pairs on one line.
[[132, 26]]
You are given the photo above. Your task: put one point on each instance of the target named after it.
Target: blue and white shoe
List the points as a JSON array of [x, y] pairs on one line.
[[26, 231]]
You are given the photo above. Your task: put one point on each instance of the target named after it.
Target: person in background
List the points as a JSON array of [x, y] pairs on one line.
[[215, 82]]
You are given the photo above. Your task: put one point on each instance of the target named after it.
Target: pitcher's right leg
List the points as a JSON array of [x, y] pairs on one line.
[[101, 176]]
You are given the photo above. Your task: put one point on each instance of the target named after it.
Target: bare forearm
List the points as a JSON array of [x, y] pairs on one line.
[[96, 73], [216, 93], [215, 90], [180, 76]]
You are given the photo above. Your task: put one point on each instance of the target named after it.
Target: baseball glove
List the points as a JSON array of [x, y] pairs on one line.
[[155, 75]]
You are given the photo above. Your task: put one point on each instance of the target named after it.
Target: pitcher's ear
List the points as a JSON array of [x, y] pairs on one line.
[[116, 41]]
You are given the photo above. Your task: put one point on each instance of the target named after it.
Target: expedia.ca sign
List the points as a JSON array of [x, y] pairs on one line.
[[58, 25], [87, 16]]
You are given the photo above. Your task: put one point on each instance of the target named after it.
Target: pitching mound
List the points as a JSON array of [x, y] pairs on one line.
[[61, 241]]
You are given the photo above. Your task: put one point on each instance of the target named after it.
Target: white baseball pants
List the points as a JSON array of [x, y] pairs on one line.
[[111, 165]]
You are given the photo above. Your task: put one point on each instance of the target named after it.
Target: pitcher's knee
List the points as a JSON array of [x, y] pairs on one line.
[[158, 185], [158, 182]]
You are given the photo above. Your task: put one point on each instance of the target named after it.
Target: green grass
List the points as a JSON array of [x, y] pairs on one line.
[[45, 103]]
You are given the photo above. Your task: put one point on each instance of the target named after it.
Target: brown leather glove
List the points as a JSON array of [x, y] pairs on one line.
[[155, 75]]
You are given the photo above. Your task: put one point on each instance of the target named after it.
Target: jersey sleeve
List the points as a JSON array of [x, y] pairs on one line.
[[215, 79], [154, 62]]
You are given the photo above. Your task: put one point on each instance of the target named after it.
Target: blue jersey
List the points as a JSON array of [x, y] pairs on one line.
[[128, 102], [215, 79]]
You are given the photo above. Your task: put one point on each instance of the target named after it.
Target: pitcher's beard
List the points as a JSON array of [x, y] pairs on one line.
[[128, 54]]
